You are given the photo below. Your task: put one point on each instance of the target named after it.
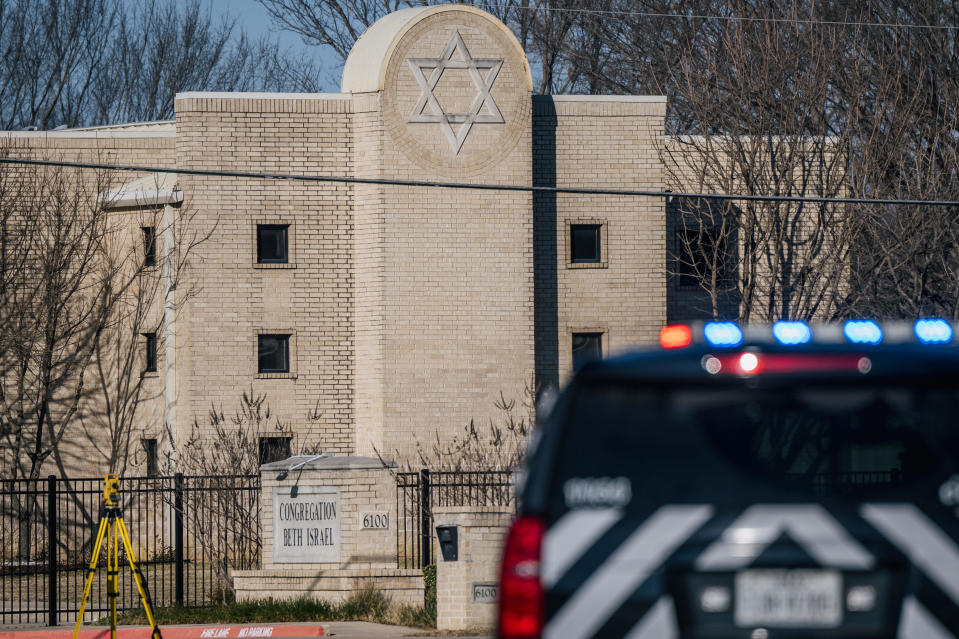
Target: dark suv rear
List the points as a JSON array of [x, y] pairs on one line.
[[748, 486]]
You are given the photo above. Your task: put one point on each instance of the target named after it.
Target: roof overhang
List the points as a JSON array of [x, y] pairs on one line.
[[149, 191]]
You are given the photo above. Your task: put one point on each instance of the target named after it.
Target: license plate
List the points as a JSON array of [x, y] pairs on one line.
[[788, 598]]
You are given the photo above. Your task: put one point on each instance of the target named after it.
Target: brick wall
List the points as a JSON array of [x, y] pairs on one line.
[[85, 450], [448, 272], [311, 298], [611, 143], [410, 309]]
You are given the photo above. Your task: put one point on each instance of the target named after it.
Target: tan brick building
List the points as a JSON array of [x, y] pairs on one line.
[[395, 312]]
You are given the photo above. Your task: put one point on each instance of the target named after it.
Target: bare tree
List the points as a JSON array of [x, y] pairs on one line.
[[53, 52], [542, 28], [65, 284], [747, 82], [218, 456], [757, 96], [74, 285], [330, 23], [498, 445], [111, 412], [906, 147], [83, 62]]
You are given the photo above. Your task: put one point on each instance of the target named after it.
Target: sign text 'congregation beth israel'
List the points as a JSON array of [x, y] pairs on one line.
[[393, 312]]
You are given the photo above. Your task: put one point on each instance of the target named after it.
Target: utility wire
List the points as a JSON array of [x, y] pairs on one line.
[[696, 16], [338, 179]]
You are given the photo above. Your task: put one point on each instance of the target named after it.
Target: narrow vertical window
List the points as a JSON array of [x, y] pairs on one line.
[[149, 245], [586, 348], [150, 353], [272, 244], [150, 452]]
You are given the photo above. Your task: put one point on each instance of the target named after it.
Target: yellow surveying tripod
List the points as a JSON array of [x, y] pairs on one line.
[[115, 531]]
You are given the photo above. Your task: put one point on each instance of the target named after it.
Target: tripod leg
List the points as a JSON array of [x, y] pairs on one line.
[[90, 572], [140, 581], [113, 576]]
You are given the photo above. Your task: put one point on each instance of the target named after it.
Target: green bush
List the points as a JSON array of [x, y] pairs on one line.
[[429, 589]]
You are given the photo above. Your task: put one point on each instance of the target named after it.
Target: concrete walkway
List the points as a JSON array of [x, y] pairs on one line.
[[293, 630]]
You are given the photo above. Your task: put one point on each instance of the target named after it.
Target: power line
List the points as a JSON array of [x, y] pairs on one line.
[[694, 16], [339, 179]]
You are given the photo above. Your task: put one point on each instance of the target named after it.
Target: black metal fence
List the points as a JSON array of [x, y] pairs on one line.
[[187, 532], [418, 492]]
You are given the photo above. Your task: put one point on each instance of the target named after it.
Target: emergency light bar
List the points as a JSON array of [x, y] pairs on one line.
[[861, 332]]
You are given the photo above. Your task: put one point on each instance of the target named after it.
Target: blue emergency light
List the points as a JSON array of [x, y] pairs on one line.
[[791, 333], [933, 331], [862, 332], [723, 334]]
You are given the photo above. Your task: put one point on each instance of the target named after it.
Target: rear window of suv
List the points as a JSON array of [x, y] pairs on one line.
[[647, 446]]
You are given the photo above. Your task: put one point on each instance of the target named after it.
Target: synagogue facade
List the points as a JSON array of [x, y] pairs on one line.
[[388, 312]]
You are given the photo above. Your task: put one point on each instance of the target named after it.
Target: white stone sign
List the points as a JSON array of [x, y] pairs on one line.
[[306, 528]]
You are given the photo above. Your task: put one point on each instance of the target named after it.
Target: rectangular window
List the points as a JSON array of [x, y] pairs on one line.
[[273, 353], [150, 452], [274, 449], [149, 245], [272, 245], [150, 353], [586, 348], [697, 252], [584, 243]]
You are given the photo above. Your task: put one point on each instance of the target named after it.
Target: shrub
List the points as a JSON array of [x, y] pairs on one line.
[[429, 589]]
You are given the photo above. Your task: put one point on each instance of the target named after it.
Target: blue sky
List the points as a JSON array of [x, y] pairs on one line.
[[251, 16], [255, 20]]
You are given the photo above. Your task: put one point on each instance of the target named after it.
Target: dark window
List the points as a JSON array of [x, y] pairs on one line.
[[274, 353], [150, 451], [274, 449], [584, 243], [149, 245], [698, 252], [271, 244], [586, 348], [887, 443], [150, 358]]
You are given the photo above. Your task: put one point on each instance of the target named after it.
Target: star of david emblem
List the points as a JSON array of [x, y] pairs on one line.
[[483, 109]]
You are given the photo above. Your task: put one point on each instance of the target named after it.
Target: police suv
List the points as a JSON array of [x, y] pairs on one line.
[[759, 482]]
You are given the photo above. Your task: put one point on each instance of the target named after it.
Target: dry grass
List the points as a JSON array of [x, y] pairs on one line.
[[367, 604]]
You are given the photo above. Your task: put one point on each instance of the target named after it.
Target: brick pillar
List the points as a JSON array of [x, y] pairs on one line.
[[467, 589]]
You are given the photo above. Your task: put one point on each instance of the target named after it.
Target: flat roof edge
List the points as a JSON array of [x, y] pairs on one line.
[[602, 98], [88, 133], [253, 95]]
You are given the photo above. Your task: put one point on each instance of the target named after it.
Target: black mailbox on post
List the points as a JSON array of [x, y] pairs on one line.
[[449, 545]]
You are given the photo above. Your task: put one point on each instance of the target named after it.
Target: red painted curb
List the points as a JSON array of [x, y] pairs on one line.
[[260, 631]]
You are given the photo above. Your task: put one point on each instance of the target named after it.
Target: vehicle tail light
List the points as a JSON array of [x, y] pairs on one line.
[[521, 591], [675, 336]]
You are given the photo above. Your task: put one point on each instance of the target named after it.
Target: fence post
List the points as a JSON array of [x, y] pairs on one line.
[[178, 536], [425, 518], [52, 602]]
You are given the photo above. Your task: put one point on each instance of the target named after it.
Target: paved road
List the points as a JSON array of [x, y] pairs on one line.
[[364, 630]]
